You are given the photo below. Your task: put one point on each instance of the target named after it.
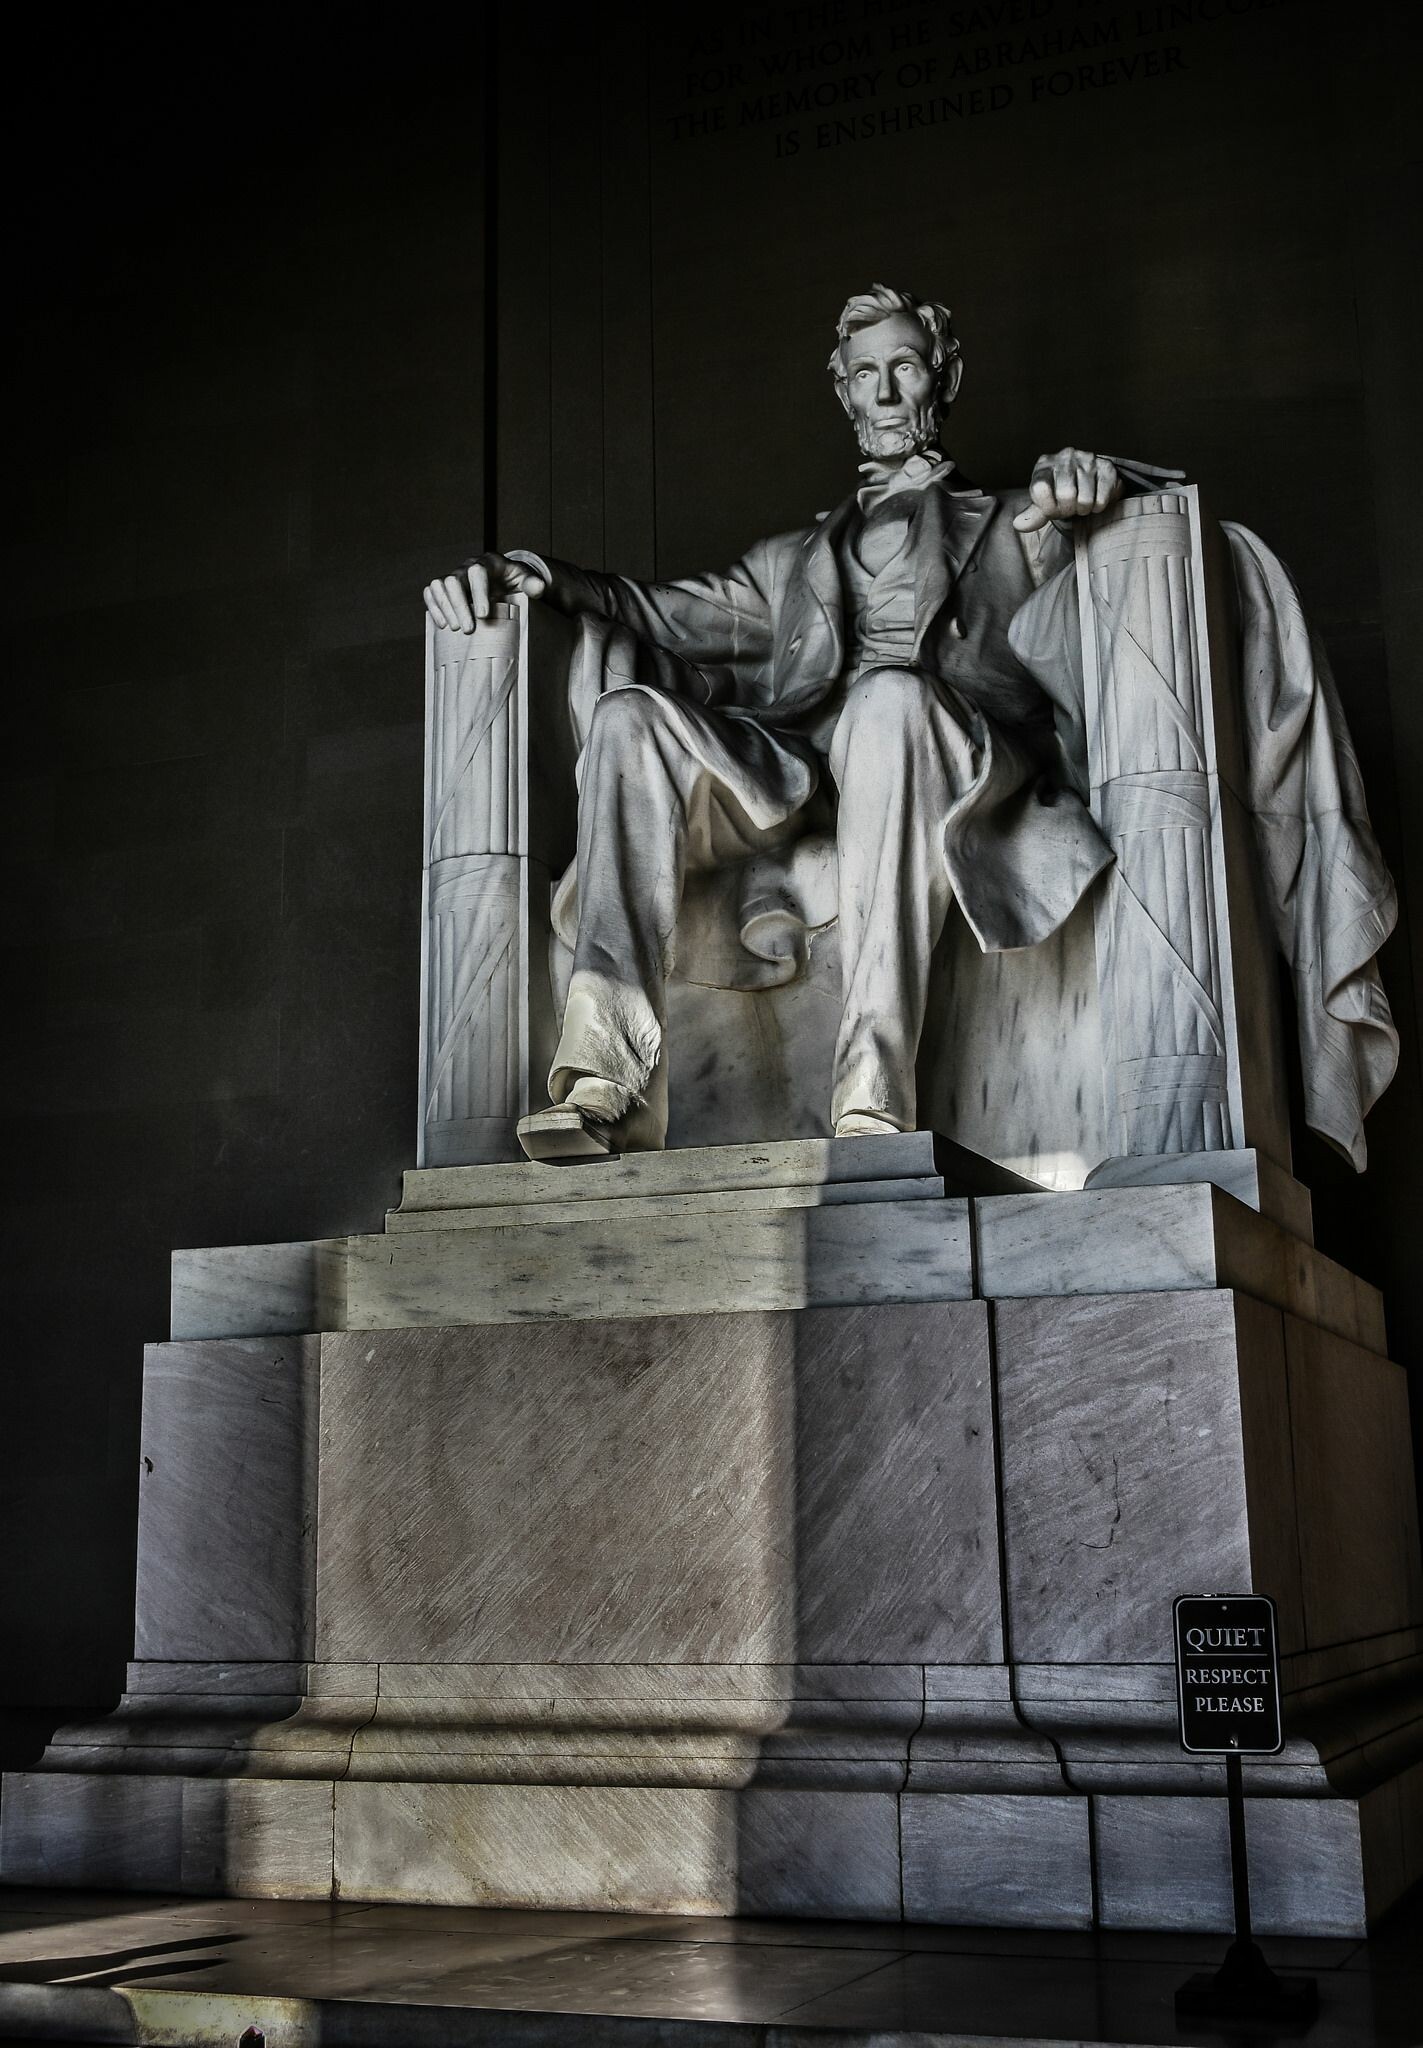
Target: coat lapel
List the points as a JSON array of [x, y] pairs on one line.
[[950, 525], [814, 647]]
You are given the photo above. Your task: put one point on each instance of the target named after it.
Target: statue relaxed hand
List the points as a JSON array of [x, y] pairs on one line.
[[462, 600], [1069, 485]]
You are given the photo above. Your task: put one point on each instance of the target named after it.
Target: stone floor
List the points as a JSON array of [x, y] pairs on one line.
[[184, 1973]]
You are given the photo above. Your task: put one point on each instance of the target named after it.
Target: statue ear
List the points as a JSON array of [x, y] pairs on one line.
[[950, 377]]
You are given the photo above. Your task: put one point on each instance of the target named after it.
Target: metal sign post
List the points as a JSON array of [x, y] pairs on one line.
[[1228, 1699]]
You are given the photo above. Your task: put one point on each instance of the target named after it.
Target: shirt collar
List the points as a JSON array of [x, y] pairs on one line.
[[885, 479]]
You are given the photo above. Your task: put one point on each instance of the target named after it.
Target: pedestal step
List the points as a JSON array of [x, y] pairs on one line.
[[870, 1165], [1247, 1173], [738, 1228], [984, 1859]]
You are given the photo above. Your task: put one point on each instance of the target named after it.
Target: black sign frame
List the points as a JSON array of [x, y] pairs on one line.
[[1226, 1616]]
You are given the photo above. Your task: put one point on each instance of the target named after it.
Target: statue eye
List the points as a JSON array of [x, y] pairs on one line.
[[904, 368]]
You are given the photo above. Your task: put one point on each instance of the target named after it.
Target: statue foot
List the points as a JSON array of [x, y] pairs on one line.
[[565, 1132], [860, 1123]]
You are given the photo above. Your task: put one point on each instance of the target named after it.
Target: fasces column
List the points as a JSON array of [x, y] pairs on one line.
[[1184, 957], [493, 832]]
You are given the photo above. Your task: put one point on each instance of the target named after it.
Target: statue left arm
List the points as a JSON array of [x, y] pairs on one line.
[[1074, 484], [1069, 485]]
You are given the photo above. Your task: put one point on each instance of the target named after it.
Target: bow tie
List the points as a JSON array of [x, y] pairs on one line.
[[883, 479]]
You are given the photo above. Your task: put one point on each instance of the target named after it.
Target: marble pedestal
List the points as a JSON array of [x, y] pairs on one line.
[[765, 1530]]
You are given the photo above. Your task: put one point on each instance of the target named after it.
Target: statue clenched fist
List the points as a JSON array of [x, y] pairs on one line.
[[460, 601]]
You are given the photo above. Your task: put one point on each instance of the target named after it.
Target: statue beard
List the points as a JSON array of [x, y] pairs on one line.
[[905, 438]]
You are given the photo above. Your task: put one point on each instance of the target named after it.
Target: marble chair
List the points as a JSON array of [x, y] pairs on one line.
[[1141, 1043]]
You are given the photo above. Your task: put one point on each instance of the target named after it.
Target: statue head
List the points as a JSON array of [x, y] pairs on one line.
[[896, 366]]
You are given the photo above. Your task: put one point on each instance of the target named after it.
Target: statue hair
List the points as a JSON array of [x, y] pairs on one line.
[[867, 309]]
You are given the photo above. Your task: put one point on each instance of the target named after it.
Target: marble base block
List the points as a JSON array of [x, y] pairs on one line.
[[1210, 1432], [855, 1607], [646, 1849], [227, 1521], [1171, 1857], [244, 1837], [753, 1489], [1247, 1173], [1001, 1860]]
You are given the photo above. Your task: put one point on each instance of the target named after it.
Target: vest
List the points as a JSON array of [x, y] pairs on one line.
[[877, 563]]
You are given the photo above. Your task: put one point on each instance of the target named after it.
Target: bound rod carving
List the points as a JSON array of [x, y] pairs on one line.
[[485, 1012], [1171, 1060]]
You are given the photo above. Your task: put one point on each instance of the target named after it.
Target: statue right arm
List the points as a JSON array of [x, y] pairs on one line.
[[716, 618]]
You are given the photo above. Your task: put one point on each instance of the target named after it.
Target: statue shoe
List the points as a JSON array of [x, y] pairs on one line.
[[861, 1123], [565, 1132], [581, 1127]]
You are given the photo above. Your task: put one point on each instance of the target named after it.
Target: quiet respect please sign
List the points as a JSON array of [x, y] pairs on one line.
[[1228, 1674]]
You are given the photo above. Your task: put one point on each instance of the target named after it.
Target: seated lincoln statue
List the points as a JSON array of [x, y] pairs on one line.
[[854, 676]]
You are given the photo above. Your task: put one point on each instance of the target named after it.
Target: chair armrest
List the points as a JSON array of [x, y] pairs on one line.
[[500, 824]]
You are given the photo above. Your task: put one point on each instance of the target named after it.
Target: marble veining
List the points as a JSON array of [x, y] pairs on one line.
[[776, 1226], [227, 1507], [689, 1169], [852, 1252], [244, 1290], [1121, 1447], [1360, 1573], [999, 1859], [249, 1837], [541, 1215], [1166, 1861], [720, 1497], [633, 1849], [1157, 1239]]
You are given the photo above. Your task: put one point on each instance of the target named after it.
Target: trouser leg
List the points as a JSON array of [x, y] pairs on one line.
[[653, 807], [899, 758], [632, 832]]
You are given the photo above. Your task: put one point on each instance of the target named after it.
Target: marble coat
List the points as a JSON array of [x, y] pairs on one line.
[[768, 641]]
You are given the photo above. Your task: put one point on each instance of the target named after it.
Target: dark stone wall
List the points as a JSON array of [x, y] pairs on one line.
[[315, 321], [250, 417]]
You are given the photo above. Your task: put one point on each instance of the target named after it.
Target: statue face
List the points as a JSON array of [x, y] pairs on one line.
[[890, 391]]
